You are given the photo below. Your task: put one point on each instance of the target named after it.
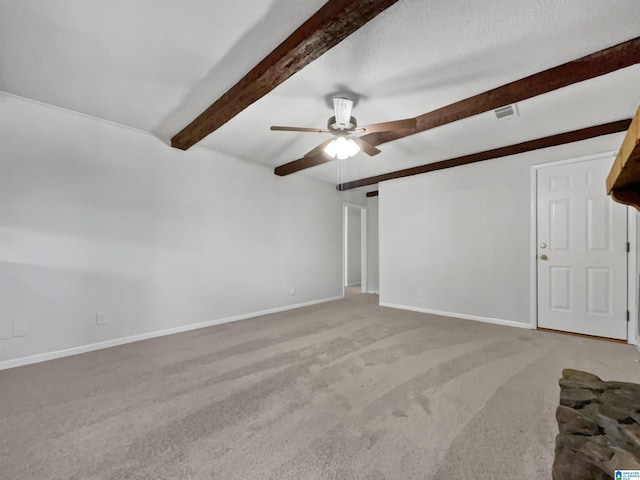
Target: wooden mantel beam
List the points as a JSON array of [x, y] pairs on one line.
[[335, 21], [551, 141], [623, 182], [594, 65]]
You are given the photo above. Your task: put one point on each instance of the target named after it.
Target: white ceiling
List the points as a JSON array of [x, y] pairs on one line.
[[156, 64]]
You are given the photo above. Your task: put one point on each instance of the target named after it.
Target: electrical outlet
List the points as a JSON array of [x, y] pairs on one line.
[[292, 290], [421, 292], [100, 320]]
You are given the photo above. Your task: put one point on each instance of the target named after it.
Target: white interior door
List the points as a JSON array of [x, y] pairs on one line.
[[582, 251]]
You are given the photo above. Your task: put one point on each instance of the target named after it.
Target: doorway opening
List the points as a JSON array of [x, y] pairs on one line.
[[354, 265]]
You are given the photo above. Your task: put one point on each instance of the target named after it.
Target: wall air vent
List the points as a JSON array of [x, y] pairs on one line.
[[507, 112]]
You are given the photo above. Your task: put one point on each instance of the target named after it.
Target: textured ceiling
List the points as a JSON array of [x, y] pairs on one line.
[[156, 64]]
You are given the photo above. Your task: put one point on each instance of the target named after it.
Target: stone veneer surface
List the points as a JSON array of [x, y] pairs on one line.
[[599, 425]]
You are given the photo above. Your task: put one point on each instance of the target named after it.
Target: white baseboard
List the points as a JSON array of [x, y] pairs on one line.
[[496, 321], [637, 347], [373, 292], [357, 284], [43, 357]]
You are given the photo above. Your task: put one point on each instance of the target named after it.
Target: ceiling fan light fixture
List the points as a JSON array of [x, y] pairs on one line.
[[342, 147], [331, 149], [352, 147]]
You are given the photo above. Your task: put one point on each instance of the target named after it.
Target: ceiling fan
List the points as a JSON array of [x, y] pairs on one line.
[[343, 127]]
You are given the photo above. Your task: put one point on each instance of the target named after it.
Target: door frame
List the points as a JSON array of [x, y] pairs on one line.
[[632, 277], [363, 245]]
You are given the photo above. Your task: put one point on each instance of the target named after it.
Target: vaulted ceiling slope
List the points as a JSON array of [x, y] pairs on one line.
[[334, 22], [157, 64]]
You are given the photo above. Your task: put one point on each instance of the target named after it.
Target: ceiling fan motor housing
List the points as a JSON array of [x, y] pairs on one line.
[[335, 127]]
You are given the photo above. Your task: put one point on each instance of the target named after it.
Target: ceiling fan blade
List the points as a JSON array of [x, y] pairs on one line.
[[299, 129], [366, 147], [301, 164], [389, 126], [342, 109], [319, 149]]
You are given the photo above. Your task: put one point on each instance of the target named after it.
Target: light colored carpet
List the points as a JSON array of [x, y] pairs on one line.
[[344, 390]]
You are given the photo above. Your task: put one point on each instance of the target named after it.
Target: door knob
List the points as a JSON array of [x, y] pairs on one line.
[[544, 257], [543, 245]]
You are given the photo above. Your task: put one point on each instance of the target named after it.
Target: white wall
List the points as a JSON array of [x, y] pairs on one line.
[[463, 235], [355, 197], [96, 218], [372, 245], [354, 246]]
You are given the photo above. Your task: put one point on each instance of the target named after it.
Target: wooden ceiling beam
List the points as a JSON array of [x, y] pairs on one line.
[[335, 21], [552, 141], [594, 65], [591, 66]]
